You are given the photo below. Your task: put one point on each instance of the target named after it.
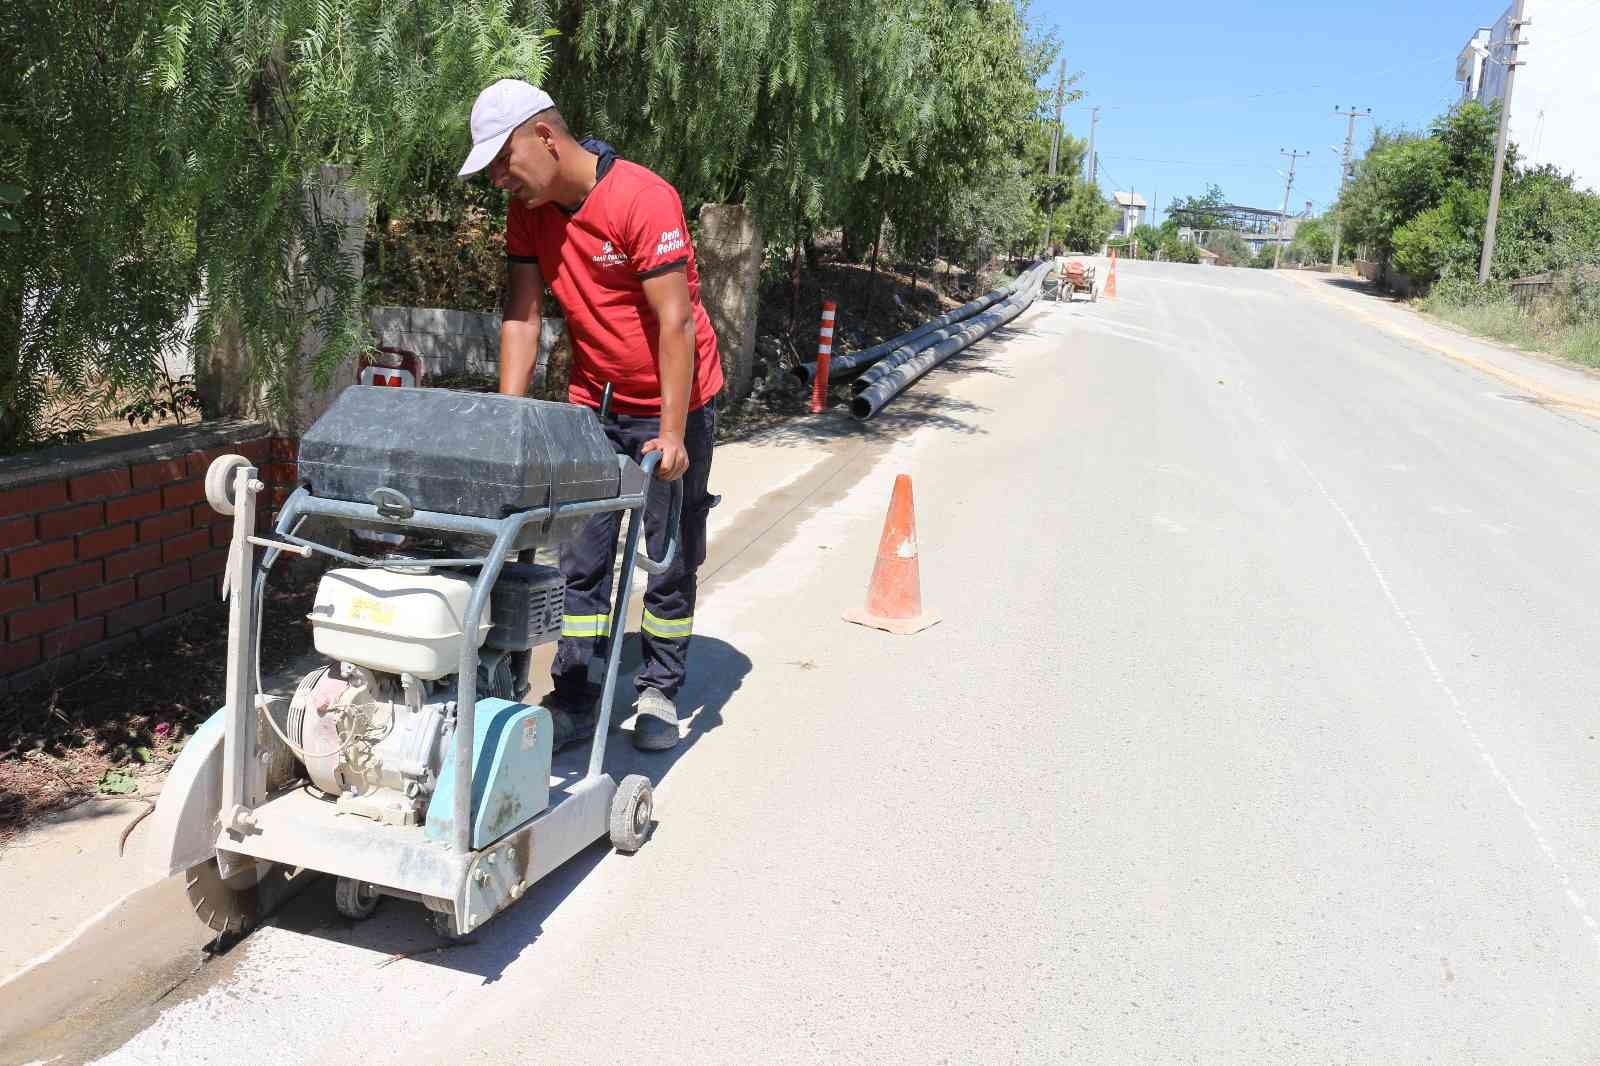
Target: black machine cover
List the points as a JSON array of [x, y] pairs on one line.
[[462, 453]]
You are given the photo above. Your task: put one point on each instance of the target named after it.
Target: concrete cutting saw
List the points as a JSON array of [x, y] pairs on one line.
[[408, 764]]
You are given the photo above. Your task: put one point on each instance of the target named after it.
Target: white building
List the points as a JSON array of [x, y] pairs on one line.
[[1469, 64], [1131, 207], [1557, 94]]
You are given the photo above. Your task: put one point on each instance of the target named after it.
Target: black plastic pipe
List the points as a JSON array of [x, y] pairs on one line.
[[844, 367], [885, 366], [874, 397]]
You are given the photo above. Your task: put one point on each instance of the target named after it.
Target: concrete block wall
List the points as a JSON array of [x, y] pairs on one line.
[[108, 542], [466, 342]]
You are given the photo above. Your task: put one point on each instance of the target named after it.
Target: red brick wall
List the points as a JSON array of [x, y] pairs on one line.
[[113, 547]]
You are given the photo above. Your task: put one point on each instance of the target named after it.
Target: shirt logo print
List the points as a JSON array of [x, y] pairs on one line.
[[671, 241], [609, 256]]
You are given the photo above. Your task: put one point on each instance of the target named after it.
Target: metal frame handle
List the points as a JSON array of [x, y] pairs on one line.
[[656, 567]]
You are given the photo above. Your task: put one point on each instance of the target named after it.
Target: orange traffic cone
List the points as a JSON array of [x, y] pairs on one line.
[[1111, 278], [894, 598]]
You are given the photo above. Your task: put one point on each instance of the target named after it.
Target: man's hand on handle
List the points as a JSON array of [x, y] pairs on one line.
[[674, 456]]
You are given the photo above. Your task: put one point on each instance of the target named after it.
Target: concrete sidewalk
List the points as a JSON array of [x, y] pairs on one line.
[[104, 914], [1541, 377]]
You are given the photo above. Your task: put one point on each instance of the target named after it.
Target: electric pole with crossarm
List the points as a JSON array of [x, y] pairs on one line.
[[1283, 215], [1511, 63], [1344, 176]]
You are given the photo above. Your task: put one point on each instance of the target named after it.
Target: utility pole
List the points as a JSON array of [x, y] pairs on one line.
[[1283, 215], [1055, 150], [1094, 120], [1511, 65], [1344, 175]]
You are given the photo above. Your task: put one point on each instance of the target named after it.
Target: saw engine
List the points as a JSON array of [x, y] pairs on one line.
[[371, 729]]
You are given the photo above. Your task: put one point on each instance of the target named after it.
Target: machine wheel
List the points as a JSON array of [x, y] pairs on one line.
[[225, 909], [630, 814], [444, 925], [219, 481], [354, 899]]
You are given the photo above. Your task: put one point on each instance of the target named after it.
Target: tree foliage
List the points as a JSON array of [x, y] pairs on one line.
[[1421, 203], [814, 113], [1229, 246], [1201, 212], [1313, 242], [172, 149], [169, 153]]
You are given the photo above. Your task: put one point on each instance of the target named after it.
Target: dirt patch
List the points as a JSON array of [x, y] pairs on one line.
[[104, 726]]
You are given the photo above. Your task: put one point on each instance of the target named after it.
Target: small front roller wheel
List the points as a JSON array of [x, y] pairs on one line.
[[354, 899], [630, 814], [444, 924], [219, 481]]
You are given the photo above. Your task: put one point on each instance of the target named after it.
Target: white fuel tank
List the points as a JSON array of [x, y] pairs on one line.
[[395, 622]]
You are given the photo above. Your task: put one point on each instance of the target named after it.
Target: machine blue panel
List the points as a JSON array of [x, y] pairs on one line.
[[510, 773]]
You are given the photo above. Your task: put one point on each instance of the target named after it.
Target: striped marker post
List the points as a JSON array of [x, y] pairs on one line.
[[819, 386]]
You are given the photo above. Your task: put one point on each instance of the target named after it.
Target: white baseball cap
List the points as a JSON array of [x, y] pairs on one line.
[[499, 109]]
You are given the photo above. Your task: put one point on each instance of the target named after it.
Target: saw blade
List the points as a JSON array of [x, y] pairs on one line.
[[225, 909]]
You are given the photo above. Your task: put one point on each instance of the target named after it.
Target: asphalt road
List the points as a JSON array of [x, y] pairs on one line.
[[1261, 727]]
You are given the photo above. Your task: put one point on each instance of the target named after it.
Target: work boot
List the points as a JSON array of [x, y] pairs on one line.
[[572, 713], [656, 728]]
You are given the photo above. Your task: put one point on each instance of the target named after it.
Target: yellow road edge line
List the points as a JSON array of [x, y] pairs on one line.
[[1544, 395]]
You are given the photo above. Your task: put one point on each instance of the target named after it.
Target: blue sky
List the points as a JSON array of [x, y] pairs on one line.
[[1195, 92]]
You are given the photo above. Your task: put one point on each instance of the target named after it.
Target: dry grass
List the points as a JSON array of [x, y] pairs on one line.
[[1543, 331]]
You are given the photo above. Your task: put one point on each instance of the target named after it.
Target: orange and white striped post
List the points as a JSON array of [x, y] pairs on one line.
[[819, 385]]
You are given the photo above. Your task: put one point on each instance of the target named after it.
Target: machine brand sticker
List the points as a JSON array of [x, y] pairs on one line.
[[367, 609], [530, 733]]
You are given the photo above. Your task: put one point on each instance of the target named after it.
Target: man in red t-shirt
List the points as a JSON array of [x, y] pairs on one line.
[[610, 240]]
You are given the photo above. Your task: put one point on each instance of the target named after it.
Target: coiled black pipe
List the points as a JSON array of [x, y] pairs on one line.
[[872, 399]]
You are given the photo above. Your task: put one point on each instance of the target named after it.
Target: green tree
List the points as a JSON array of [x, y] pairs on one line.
[[983, 134], [168, 148], [1266, 258], [1230, 246], [1448, 233], [1467, 133], [1179, 251], [1404, 174], [781, 106], [1086, 220], [1148, 240], [1313, 241], [1201, 212]]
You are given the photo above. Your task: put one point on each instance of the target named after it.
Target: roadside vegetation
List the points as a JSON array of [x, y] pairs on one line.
[[158, 165], [1418, 203]]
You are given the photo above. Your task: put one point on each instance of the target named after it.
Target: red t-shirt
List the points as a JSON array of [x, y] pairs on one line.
[[629, 228]]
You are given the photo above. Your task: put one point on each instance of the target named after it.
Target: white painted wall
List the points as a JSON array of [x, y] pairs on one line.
[[1557, 97]]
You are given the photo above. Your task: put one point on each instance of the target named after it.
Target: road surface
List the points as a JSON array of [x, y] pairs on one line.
[[1261, 726]]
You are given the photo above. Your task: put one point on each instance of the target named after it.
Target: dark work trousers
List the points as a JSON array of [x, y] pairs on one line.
[[587, 562]]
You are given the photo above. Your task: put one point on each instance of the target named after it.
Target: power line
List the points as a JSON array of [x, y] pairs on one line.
[[1204, 163], [1115, 185]]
